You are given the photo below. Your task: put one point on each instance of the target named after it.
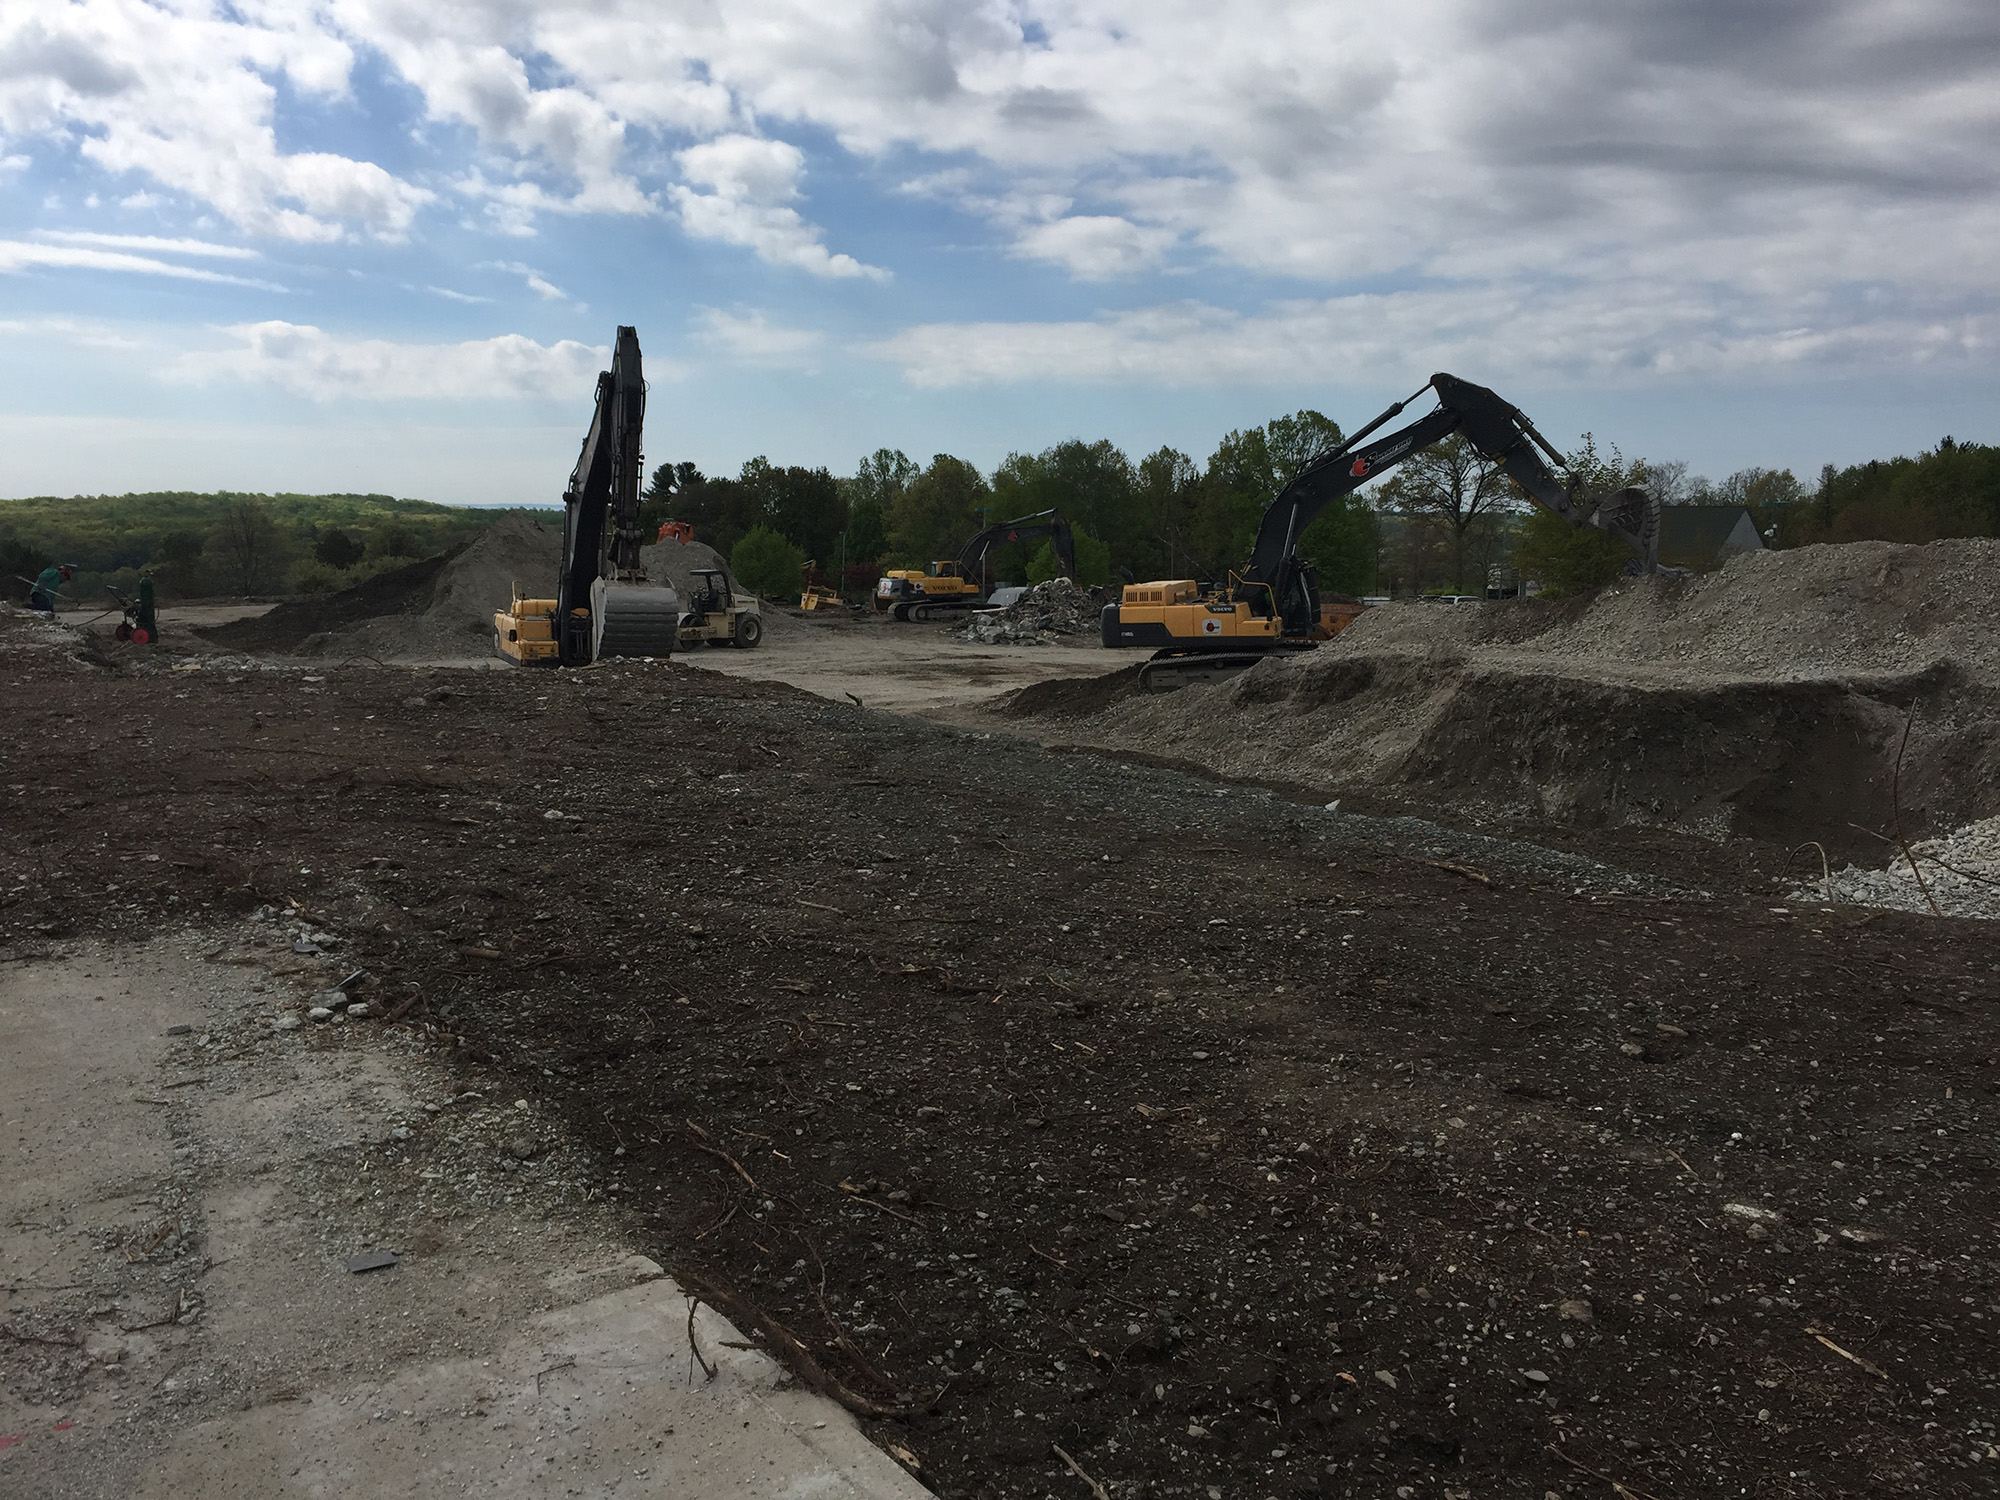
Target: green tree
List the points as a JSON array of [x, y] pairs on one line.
[[1247, 472], [246, 544], [20, 564], [394, 540], [1563, 559], [803, 505], [178, 561], [1093, 562], [337, 550], [1569, 560], [1450, 485], [1344, 541], [938, 511], [764, 563]]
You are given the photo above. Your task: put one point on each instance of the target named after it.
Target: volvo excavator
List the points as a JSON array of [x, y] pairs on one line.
[[1201, 634], [949, 588], [604, 605]]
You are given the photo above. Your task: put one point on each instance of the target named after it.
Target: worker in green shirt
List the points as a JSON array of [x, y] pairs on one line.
[[43, 595]]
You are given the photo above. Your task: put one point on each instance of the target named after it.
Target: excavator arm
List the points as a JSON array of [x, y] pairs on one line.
[[1276, 581], [1047, 523]]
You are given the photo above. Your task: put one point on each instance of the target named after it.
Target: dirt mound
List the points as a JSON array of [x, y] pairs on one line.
[[675, 563], [1864, 606], [1768, 701], [439, 608]]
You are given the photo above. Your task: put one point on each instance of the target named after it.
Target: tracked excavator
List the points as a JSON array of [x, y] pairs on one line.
[[604, 606], [1201, 634], [949, 588]]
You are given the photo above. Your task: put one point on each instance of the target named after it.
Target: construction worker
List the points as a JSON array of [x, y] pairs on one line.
[[43, 595]]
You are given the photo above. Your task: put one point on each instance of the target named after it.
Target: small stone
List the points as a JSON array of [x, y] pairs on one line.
[[1388, 1378], [181, 1030], [1757, 1232], [1034, 1122], [319, 1013], [1538, 1376], [399, 1132], [1631, 1049], [1752, 1212], [526, 1148], [286, 1023], [331, 999], [553, 815], [1575, 1310], [359, 1011], [1199, 1056]]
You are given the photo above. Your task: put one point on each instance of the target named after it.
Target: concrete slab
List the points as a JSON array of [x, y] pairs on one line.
[[176, 1216]]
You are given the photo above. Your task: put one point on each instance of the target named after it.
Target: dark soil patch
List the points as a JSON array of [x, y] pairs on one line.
[[1096, 1105]]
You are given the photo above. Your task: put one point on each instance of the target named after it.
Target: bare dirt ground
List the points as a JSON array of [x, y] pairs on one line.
[[1036, 1101]]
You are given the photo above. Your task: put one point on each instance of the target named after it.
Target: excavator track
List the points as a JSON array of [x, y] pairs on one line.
[[939, 610]]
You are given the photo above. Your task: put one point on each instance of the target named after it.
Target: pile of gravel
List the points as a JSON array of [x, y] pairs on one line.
[[1961, 874]]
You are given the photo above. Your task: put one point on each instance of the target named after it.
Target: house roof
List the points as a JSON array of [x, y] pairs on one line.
[[1702, 536]]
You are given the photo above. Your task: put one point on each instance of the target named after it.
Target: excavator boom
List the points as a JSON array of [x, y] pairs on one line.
[[1274, 602], [604, 605]]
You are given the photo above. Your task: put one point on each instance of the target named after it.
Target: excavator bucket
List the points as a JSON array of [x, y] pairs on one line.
[[634, 619], [1633, 516]]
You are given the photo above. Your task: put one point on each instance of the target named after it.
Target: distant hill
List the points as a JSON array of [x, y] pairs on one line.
[[224, 543]]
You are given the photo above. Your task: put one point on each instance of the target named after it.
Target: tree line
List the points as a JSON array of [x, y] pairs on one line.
[[1444, 520], [1440, 521]]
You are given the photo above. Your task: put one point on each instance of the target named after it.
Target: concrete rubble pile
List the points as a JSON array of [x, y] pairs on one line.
[[1961, 874], [1056, 608]]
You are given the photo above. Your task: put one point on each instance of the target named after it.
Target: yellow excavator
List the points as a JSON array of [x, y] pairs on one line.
[[951, 587], [1202, 634], [604, 605]]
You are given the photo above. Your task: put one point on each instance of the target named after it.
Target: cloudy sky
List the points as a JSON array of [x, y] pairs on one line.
[[384, 244]]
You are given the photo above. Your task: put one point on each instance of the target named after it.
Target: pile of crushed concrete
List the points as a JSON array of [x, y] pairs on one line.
[[1960, 877], [1044, 612], [1768, 700], [440, 609]]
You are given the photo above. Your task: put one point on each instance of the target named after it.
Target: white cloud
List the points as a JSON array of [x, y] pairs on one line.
[[750, 186], [1096, 247], [1596, 336], [307, 361], [450, 296], [18, 255], [182, 94], [539, 284], [1836, 157], [752, 339], [151, 242]]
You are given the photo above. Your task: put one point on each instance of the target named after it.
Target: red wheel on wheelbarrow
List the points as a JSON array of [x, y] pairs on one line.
[[123, 632], [141, 636]]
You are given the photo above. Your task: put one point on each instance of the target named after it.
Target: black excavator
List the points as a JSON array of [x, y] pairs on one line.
[[604, 606], [1201, 634], [949, 588]]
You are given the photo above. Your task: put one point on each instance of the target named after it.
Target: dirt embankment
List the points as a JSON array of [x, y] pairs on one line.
[[441, 607], [1768, 701]]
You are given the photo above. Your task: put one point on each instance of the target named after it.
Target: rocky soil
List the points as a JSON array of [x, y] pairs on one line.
[[1230, 1144]]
